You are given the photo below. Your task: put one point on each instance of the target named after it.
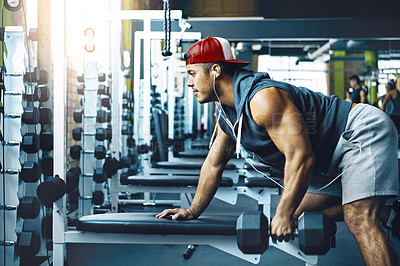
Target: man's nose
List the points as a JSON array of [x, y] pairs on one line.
[[190, 83]]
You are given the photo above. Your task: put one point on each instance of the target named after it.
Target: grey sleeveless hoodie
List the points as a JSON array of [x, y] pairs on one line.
[[325, 118]]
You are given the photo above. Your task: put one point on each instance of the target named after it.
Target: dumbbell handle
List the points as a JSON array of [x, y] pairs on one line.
[[8, 207]]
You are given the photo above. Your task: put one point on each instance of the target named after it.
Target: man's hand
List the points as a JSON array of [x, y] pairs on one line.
[[177, 214], [282, 228]]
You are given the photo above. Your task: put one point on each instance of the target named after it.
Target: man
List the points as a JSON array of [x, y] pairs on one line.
[[305, 134], [358, 93]]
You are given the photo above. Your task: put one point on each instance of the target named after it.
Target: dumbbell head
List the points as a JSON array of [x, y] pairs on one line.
[[77, 115], [315, 231], [103, 90], [80, 89], [98, 197], [127, 104], [100, 152], [252, 233], [30, 172], [28, 244], [46, 165], [72, 180], [130, 142], [126, 116], [77, 133], [29, 207], [110, 166], [100, 134], [108, 133], [44, 93], [127, 95], [31, 115], [47, 227], [143, 148], [32, 93], [127, 129], [99, 176], [103, 116], [106, 102], [50, 190], [75, 152], [46, 141], [32, 74], [43, 77], [30, 143], [46, 115], [101, 77], [81, 77]]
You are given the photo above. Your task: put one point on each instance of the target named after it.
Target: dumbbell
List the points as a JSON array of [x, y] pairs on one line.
[[80, 89], [44, 91], [101, 77], [103, 134], [30, 143], [31, 115], [127, 129], [130, 142], [103, 116], [75, 152], [78, 115], [32, 92], [81, 77], [49, 191], [72, 179], [143, 148], [28, 244], [46, 165], [100, 152], [29, 207], [32, 74], [46, 141], [315, 233], [43, 77], [46, 115], [47, 227], [106, 102], [127, 95], [126, 116], [30, 172], [98, 197], [77, 133], [110, 166], [127, 104], [103, 90], [99, 176]]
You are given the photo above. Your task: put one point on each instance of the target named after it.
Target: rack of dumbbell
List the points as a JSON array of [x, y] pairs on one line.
[[95, 136]]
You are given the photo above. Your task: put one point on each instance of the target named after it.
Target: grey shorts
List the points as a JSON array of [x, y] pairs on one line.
[[365, 158]]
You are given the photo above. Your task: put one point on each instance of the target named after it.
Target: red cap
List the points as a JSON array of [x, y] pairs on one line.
[[211, 49]]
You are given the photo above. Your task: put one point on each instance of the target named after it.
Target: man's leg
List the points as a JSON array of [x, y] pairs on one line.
[[330, 205], [362, 219]]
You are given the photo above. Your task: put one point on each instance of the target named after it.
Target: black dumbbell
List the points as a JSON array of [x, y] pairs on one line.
[[126, 116], [71, 181], [108, 133], [75, 152], [43, 77], [30, 172], [143, 148], [315, 233], [31, 115], [103, 90], [78, 115], [103, 116], [100, 152], [128, 95], [110, 166], [80, 89], [101, 77], [106, 102], [127, 129], [46, 165], [100, 134], [32, 92], [81, 77], [32, 74], [127, 161], [46, 115], [30, 143], [28, 244], [99, 176], [98, 197], [46, 141], [127, 105], [29, 207], [130, 142], [77, 133], [49, 191], [47, 227], [44, 92]]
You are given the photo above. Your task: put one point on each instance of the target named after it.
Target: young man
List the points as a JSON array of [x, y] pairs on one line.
[[358, 93], [315, 139]]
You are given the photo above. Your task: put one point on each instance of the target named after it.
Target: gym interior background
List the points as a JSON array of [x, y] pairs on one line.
[[97, 119]]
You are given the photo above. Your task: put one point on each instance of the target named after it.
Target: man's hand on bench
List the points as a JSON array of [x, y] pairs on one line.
[[177, 214]]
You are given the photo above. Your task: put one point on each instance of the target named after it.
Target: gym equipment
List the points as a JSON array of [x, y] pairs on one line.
[[127, 105], [78, 115], [99, 176], [47, 227], [75, 152], [103, 90], [130, 142], [29, 207], [143, 148], [31, 115], [43, 77], [127, 161], [81, 77], [77, 133], [30, 172], [314, 231], [32, 93], [46, 141], [100, 134], [46, 165], [98, 197], [106, 102], [28, 244], [101, 77], [46, 115], [80, 88], [32, 74], [127, 95], [100, 152], [30, 143], [127, 129], [126, 116], [51, 190], [72, 181], [103, 116], [110, 166], [44, 90]]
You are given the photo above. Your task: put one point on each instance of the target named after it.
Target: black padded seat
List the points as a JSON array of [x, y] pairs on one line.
[[147, 223], [169, 181], [194, 154], [260, 182], [188, 165]]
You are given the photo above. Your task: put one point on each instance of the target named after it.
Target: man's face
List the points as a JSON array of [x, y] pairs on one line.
[[201, 83], [353, 83]]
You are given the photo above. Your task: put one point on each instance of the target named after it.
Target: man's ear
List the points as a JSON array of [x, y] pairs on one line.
[[216, 70]]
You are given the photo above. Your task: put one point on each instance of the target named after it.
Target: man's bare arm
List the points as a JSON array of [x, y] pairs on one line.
[[210, 177]]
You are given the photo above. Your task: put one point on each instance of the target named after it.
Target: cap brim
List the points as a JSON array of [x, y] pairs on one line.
[[237, 62]]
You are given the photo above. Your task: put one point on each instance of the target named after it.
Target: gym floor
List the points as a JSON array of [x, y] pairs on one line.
[[345, 253]]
